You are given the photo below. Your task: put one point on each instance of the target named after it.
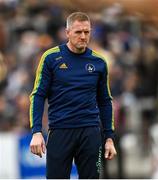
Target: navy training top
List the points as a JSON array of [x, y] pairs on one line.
[[77, 89]]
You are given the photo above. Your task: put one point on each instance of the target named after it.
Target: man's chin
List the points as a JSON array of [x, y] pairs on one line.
[[82, 46]]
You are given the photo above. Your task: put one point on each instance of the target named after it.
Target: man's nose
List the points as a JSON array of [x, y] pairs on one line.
[[83, 35]]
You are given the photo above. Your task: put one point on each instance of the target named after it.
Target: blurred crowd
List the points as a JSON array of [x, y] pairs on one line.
[[129, 44]]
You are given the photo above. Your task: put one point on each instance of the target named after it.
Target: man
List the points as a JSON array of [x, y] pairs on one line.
[[75, 80]]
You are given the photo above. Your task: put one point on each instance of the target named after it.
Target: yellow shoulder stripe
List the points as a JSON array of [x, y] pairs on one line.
[[97, 54], [40, 66]]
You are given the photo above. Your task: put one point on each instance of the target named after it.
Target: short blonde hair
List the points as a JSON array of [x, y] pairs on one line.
[[79, 16]]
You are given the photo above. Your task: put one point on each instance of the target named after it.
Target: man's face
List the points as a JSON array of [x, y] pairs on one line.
[[78, 35]]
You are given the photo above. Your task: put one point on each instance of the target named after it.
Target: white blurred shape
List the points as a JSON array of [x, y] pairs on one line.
[[8, 156]]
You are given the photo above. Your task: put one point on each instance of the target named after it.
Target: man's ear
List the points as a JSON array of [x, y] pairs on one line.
[[67, 32]]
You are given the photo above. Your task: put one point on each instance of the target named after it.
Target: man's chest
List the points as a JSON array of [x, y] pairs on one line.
[[79, 72]]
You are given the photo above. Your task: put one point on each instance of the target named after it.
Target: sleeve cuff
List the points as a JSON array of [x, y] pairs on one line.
[[36, 129], [108, 134]]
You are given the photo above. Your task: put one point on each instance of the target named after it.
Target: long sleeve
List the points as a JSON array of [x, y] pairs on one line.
[[39, 93], [104, 100]]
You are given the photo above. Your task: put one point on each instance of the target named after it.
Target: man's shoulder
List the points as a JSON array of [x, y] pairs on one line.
[[98, 56], [52, 51]]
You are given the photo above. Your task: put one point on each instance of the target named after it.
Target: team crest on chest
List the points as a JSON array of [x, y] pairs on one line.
[[90, 68]]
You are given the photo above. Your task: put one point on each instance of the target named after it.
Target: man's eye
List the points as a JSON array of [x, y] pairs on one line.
[[86, 32], [78, 32]]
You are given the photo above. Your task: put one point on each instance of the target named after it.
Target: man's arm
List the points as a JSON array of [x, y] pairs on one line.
[[104, 100], [37, 100]]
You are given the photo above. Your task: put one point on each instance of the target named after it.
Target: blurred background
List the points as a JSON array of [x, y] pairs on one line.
[[126, 33]]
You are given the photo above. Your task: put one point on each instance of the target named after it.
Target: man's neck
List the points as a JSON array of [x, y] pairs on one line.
[[75, 50]]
